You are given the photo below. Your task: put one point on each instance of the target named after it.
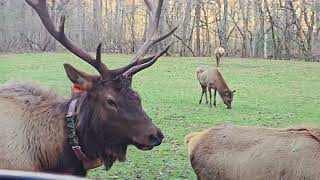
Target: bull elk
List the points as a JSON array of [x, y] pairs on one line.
[[108, 115]]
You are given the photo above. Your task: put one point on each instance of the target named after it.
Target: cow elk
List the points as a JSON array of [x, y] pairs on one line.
[[210, 78], [109, 115], [219, 52], [229, 152]]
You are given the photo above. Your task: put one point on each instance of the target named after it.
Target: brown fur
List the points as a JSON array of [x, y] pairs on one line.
[[233, 152], [210, 78], [219, 52], [31, 127]]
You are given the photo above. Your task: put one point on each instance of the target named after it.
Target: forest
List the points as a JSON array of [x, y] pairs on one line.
[[269, 29]]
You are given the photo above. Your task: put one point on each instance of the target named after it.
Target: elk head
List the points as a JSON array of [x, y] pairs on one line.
[[114, 108], [228, 97]]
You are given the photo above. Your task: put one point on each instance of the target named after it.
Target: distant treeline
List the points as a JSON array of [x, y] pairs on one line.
[[273, 29]]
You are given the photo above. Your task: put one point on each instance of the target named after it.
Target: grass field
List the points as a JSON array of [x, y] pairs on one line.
[[269, 94]]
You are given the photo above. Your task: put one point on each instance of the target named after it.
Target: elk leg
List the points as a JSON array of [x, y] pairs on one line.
[[203, 91], [210, 96], [214, 96], [218, 61]]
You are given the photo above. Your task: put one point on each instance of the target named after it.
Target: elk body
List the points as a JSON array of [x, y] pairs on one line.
[[219, 53], [210, 78], [109, 115], [232, 153]]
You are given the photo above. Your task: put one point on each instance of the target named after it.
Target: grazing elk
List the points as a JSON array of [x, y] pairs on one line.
[[232, 153], [210, 78], [108, 116], [219, 53]]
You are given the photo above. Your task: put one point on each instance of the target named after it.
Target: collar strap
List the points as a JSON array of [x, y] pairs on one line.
[[74, 141]]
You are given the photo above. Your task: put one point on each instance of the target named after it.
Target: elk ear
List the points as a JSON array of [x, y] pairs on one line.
[[79, 78], [234, 91]]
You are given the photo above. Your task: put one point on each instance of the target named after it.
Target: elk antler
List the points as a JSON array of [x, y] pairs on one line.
[[137, 63], [150, 62], [40, 6]]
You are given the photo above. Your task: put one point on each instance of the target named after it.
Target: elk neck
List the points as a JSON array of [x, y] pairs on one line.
[[82, 140], [221, 85]]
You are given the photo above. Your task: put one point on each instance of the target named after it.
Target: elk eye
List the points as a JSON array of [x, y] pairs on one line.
[[111, 103]]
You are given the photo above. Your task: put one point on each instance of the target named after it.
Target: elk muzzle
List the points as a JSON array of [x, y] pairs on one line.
[[155, 140], [151, 138]]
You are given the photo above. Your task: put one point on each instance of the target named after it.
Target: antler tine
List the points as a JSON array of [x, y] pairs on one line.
[[164, 36], [140, 67], [124, 68], [152, 37], [143, 60], [149, 58], [98, 54], [42, 10]]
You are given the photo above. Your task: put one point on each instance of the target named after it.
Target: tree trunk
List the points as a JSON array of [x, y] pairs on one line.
[[245, 20], [224, 27], [133, 20], [97, 20], [81, 22], [287, 31], [197, 19], [186, 27]]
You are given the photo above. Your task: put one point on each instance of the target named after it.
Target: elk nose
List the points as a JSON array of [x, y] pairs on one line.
[[160, 135], [155, 140]]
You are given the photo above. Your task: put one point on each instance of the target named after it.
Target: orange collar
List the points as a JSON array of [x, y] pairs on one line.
[[77, 89]]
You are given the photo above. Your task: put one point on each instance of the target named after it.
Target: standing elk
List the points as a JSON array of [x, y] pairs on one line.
[[219, 53], [232, 153], [210, 78], [108, 116]]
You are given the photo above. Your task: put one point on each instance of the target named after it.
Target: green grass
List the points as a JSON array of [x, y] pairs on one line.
[[269, 94]]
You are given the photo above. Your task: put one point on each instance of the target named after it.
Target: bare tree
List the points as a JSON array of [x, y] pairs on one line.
[[222, 23], [197, 19], [245, 10], [185, 38]]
